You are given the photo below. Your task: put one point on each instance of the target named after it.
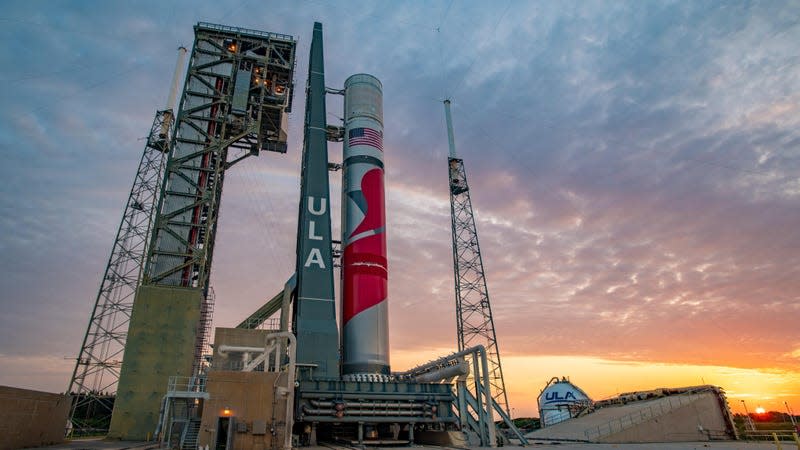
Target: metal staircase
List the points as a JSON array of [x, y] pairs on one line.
[[190, 433]]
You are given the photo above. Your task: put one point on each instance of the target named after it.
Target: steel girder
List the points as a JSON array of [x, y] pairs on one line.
[[215, 128]]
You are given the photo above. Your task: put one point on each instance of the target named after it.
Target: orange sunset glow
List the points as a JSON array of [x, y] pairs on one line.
[[603, 378]]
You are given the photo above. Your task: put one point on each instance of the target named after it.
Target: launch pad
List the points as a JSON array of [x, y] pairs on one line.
[[306, 379]]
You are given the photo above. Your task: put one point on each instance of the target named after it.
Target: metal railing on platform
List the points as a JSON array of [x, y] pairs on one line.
[[246, 31], [642, 415], [258, 324], [769, 435], [186, 384]]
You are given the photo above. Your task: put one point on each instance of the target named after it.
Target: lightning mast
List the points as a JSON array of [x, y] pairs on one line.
[[475, 325], [94, 379]]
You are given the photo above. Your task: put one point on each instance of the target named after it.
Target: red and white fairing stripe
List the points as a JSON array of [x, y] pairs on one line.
[[365, 333]]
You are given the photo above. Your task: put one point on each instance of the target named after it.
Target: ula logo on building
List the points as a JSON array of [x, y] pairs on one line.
[[556, 396]]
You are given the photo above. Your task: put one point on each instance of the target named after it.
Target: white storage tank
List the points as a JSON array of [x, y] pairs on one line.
[[561, 400]]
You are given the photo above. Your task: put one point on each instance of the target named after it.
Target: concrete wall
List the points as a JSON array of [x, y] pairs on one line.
[[32, 418], [694, 422], [161, 341]]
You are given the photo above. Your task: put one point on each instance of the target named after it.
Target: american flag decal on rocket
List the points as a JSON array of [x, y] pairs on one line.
[[365, 136]]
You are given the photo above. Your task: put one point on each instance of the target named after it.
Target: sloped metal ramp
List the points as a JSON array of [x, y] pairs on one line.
[[276, 303], [688, 417]]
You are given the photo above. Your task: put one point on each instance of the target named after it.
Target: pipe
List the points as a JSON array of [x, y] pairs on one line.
[[482, 423], [290, 374], [382, 419], [277, 361], [461, 368], [161, 418], [461, 388], [173, 89], [223, 349], [321, 403], [438, 397], [169, 112], [450, 139], [487, 393], [288, 288], [440, 361], [482, 389], [369, 412]]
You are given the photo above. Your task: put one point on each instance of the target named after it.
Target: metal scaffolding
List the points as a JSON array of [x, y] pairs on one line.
[[94, 379], [474, 322], [237, 89]]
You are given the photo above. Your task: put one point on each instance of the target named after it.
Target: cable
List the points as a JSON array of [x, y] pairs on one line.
[[475, 59], [446, 11]]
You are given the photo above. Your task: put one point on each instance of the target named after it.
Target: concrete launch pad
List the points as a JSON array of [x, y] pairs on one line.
[[98, 444]]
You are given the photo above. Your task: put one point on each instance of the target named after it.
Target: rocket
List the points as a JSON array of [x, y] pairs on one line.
[[365, 331]]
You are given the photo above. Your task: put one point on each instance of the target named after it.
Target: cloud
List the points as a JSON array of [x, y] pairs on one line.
[[632, 168]]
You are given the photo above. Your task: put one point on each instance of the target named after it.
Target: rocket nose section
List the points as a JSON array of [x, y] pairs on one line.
[[363, 98]]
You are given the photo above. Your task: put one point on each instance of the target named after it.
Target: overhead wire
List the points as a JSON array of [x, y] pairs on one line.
[[475, 58], [262, 209], [230, 11]]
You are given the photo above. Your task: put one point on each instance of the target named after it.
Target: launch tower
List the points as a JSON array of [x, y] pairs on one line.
[[94, 379], [474, 322], [237, 92]]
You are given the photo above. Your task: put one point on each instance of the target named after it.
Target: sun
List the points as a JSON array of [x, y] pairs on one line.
[[760, 410]]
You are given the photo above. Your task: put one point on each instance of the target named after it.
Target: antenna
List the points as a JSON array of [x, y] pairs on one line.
[[450, 138]]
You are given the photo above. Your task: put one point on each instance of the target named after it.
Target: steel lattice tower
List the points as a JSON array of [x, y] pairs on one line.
[[238, 89], [96, 373], [474, 323]]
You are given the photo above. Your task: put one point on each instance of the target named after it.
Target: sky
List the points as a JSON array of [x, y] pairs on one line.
[[633, 169]]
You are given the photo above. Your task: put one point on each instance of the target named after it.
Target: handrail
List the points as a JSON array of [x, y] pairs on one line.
[[238, 30], [250, 323], [634, 418], [759, 435], [186, 384]]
